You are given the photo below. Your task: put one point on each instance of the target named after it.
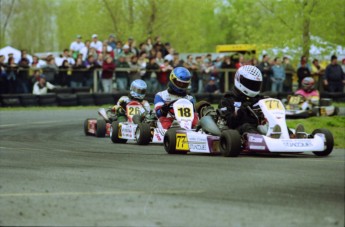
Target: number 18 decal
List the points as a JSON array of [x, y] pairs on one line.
[[184, 112]]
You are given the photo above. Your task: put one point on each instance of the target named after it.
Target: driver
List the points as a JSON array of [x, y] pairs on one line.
[[233, 106], [179, 82], [308, 91], [137, 93]]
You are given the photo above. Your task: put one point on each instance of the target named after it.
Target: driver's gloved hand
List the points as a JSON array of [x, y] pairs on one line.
[[165, 109]]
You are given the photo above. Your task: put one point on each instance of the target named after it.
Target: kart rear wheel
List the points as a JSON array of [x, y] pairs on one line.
[[170, 141], [86, 126], [329, 143], [100, 128], [143, 134], [114, 133], [336, 111], [230, 143]]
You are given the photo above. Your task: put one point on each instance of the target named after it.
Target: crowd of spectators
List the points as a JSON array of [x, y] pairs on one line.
[[118, 63]]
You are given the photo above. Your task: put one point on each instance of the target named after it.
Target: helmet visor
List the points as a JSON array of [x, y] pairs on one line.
[[180, 84], [252, 85], [139, 90]]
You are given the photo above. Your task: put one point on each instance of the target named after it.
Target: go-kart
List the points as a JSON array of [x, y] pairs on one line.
[[269, 113], [146, 128], [99, 127], [298, 107]]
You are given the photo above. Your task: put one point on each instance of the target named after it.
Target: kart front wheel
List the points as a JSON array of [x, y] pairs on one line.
[[170, 141], [230, 143], [143, 134], [114, 133], [86, 126], [100, 128], [329, 142]]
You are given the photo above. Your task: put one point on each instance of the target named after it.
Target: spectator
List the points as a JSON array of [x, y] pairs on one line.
[[107, 50], [170, 55], [118, 49], [76, 47], [63, 78], [50, 70], [334, 78], [148, 45], [135, 69], [11, 71], [122, 74], [96, 43], [163, 75], [41, 87], [159, 58], [108, 68], [91, 64], [289, 71], [176, 62], [142, 61], [150, 76], [24, 56], [35, 77], [3, 75], [266, 71], [302, 72], [240, 61], [111, 41], [133, 48], [78, 74], [66, 56], [317, 73], [343, 64], [192, 67], [23, 76], [278, 76], [85, 50], [201, 67], [212, 86], [126, 51], [152, 53], [226, 64], [304, 60], [36, 63]]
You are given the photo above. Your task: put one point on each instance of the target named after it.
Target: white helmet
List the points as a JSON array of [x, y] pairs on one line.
[[138, 89], [248, 80]]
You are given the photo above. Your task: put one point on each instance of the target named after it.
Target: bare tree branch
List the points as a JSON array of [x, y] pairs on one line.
[[6, 20], [113, 18], [277, 16]]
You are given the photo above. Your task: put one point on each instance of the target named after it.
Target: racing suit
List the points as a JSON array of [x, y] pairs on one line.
[[234, 107], [120, 108], [161, 102]]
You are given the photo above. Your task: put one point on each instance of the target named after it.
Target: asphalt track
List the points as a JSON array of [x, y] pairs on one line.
[[53, 175]]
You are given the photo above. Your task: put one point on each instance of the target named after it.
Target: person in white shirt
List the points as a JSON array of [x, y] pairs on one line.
[[41, 87], [65, 56], [96, 43], [76, 47]]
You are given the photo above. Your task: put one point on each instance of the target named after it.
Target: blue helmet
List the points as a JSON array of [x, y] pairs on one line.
[[138, 89], [180, 79]]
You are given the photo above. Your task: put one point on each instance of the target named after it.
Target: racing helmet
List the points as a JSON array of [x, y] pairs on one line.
[[308, 84], [179, 80], [138, 89], [248, 80]]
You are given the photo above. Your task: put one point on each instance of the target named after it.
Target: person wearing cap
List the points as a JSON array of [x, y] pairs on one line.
[[212, 86], [111, 41], [76, 46], [95, 43], [41, 87], [334, 78]]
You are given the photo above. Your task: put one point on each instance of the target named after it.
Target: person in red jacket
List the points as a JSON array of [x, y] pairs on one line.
[[107, 74]]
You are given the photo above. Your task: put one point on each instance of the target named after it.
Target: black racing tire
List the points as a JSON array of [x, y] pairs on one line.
[[230, 143], [100, 128], [136, 119], [336, 111], [143, 134], [114, 133], [329, 143], [170, 141], [86, 126]]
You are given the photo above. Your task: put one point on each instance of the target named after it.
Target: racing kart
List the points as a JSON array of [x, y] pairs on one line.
[[145, 127], [99, 127], [269, 113], [298, 107]]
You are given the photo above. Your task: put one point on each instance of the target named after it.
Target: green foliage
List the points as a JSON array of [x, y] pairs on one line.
[[190, 25]]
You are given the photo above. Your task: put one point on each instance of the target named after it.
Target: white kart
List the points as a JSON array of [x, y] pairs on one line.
[[149, 129]]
